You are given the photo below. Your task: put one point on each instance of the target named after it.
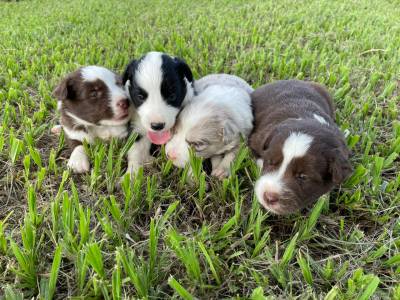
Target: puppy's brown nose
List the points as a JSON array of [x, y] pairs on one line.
[[271, 198], [124, 104]]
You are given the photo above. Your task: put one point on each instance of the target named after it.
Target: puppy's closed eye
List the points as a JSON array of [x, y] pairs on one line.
[[301, 177], [198, 145], [93, 94]]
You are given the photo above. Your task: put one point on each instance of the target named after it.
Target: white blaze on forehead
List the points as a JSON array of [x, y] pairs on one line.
[[149, 77], [296, 145], [149, 73], [117, 93], [320, 119]]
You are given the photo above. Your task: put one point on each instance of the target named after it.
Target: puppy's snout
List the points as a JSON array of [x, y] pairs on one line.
[[157, 126], [271, 198], [123, 104], [171, 155]]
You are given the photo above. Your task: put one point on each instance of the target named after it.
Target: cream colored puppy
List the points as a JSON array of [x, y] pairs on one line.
[[213, 123]]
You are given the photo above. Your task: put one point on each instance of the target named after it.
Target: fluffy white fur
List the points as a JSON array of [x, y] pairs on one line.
[[139, 155], [296, 145], [221, 109], [78, 161], [222, 79], [106, 131]]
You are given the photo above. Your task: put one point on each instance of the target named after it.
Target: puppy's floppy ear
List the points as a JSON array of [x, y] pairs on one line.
[[339, 165], [229, 131], [130, 68], [183, 69], [64, 90]]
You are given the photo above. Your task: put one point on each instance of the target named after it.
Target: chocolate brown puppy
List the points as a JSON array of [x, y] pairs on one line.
[[298, 146], [92, 104]]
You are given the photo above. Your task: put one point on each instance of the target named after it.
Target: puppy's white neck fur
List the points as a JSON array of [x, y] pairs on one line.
[[104, 131]]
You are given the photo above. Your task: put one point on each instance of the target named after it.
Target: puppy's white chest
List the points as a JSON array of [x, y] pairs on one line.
[[108, 132]]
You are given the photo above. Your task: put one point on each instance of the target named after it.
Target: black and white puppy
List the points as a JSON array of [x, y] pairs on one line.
[[159, 86]]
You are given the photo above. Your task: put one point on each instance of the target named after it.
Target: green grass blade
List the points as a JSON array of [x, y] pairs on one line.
[[180, 289]]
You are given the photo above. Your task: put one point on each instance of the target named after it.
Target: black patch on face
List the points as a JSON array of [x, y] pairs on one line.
[[136, 93], [173, 86]]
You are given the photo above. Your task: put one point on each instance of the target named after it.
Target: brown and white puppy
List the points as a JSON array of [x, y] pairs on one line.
[[300, 149], [92, 104]]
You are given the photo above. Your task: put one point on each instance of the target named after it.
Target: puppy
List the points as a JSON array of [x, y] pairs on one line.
[[92, 104], [213, 122], [300, 149], [221, 79], [159, 86]]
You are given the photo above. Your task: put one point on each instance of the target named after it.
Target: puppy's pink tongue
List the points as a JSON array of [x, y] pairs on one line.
[[159, 137]]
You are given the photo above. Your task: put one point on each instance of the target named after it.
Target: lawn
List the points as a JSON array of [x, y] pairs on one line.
[[65, 235]]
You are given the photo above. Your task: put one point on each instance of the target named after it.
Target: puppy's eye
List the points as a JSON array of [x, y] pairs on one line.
[[301, 177], [118, 81], [172, 96], [140, 95], [198, 145], [93, 94]]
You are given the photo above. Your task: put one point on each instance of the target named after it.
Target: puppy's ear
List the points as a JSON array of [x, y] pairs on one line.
[[229, 131], [65, 90], [339, 165], [268, 136], [130, 68], [183, 69]]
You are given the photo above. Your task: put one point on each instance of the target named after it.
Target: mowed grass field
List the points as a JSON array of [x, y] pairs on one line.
[[64, 235]]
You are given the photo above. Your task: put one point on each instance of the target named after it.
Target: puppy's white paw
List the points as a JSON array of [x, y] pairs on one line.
[[260, 163], [220, 172], [56, 130], [79, 162], [133, 168]]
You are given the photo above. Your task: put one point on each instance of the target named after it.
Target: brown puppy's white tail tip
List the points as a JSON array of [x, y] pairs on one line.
[[56, 130]]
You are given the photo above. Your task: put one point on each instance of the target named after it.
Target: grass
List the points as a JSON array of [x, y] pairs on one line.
[[63, 235]]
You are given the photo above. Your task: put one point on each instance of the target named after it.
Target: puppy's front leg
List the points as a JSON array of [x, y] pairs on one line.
[[78, 161], [138, 155], [223, 169], [215, 161]]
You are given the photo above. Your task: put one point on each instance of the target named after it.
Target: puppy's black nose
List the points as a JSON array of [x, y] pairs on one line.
[[157, 126]]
